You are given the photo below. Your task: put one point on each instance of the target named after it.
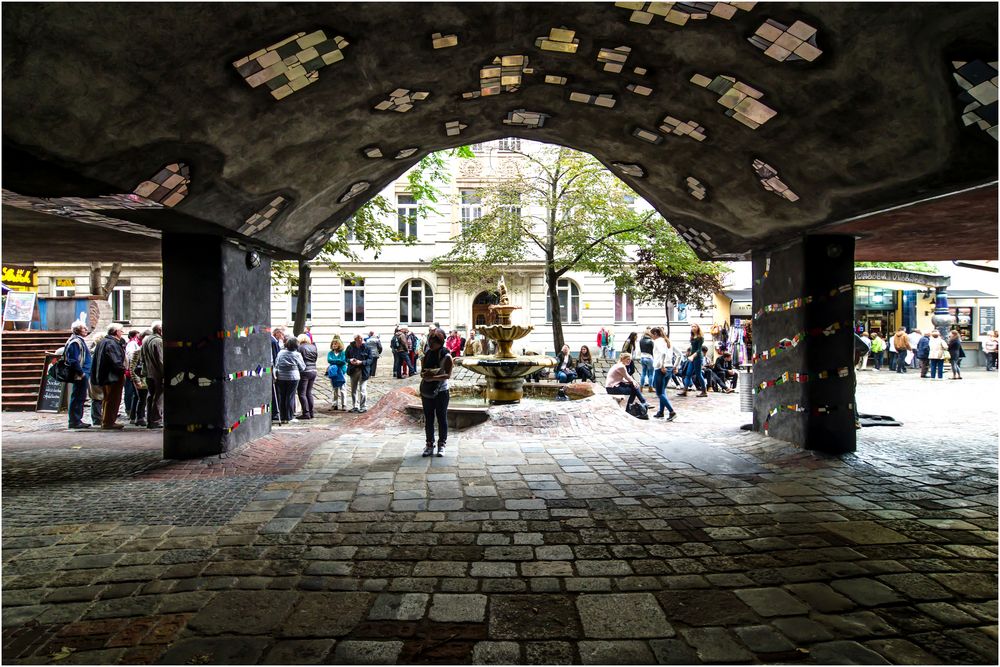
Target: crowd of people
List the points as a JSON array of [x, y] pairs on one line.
[[112, 367], [926, 351]]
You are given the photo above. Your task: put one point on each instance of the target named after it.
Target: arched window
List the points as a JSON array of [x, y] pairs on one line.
[[416, 302], [569, 302]]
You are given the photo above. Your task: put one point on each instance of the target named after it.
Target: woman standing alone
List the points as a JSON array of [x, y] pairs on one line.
[[434, 396]]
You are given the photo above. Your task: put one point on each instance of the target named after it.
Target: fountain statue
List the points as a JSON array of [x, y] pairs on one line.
[[505, 371]]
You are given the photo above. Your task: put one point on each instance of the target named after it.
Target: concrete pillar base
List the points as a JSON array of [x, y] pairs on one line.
[[803, 336], [216, 319]]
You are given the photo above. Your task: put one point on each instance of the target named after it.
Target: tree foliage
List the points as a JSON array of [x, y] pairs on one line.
[[564, 209]]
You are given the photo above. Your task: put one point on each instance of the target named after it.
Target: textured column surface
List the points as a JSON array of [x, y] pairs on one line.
[[805, 347], [211, 300]]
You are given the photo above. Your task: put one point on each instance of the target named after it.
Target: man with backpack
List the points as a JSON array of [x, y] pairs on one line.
[[400, 346], [374, 344], [78, 359]]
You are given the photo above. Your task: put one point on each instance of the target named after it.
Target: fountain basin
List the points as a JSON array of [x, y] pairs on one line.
[[504, 376]]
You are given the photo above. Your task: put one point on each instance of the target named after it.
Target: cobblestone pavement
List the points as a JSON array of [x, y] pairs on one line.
[[586, 538]]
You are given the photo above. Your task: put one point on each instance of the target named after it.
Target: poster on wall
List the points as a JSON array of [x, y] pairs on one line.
[[19, 307]]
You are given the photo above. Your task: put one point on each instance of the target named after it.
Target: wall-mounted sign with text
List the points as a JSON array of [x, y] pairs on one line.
[[20, 278]]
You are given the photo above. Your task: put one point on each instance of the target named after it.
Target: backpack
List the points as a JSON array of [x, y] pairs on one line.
[[61, 371], [639, 410]]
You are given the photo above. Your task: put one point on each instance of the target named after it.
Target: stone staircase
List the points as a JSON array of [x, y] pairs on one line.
[[21, 367]]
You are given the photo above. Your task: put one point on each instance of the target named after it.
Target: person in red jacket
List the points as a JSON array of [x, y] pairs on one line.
[[454, 344]]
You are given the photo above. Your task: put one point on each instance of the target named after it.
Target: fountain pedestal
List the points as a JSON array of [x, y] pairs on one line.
[[505, 371]]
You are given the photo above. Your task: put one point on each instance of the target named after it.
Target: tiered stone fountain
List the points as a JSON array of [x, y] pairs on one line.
[[505, 371]]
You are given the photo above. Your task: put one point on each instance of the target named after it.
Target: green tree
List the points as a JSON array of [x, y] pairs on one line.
[[563, 209], [670, 272], [367, 231]]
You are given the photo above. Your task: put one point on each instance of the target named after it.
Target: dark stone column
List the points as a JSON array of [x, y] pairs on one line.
[[812, 269], [942, 319], [210, 297]]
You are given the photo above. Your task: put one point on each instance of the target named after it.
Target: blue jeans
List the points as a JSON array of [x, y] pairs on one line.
[[660, 387], [400, 359], [77, 399], [131, 395], [565, 376], [647, 372], [937, 368], [693, 374]]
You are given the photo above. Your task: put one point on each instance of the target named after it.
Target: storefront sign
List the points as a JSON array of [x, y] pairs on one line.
[[20, 278], [741, 309]]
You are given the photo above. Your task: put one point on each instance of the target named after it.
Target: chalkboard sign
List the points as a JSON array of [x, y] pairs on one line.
[[51, 392]]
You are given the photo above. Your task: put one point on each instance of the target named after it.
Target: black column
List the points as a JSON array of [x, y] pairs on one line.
[[216, 319], [803, 301]]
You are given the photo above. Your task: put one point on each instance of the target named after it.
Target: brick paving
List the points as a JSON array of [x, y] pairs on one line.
[[561, 533]]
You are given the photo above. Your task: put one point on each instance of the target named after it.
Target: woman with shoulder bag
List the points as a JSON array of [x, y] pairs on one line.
[[307, 378], [585, 365], [695, 358], [288, 366], [436, 370], [956, 353], [565, 366], [336, 362]]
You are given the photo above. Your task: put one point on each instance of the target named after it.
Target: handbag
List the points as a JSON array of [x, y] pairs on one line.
[[947, 356], [60, 371]]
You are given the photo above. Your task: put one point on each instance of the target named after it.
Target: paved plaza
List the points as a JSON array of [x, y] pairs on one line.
[[566, 533]]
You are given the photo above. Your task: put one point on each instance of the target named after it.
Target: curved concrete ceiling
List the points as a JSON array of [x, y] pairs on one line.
[[114, 92]]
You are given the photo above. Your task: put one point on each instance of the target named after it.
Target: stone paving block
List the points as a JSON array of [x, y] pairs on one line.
[[592, 584], [547, 569], [867, 592], [496, 653], [969, 584], [554, 552], [865, 532], [673, 652], [549, 653], [214, 650], [916, 586], [715, 645], [763, 639], [458, 608], [801, 629], [399, 607], [845, 653], [623, 616], [856, 624], [493, 569], [615, 653], [706, 607], [354, 652], [901, 652], [243, 612], [602, 568], [821, 597], [326, 614], [947, 613], [533, 617], [527, 504]]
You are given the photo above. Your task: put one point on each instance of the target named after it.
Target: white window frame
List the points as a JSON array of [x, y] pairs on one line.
[[356, 288], [471, 206], [121, 312], [623, 301], [406, 216], [572, 294], [64, 290], [426, 297], [293, 295], [509, 144]]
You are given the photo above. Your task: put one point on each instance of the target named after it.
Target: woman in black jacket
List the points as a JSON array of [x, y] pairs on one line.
[[307, 378], [585, 365], [565, 366], [957, 353]]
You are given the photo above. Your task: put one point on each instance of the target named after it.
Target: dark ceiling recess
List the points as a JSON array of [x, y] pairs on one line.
[[864, 115]]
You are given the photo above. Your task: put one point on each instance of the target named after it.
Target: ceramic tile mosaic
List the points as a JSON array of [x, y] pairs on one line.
[[556, 79], [784, 43], [504, 75], [630, 169], [639, 89], [679, 13], [439, 41], [560, 40], [264, 217], [695, 188], [86, 210], [978, 80], [698, 240], [401, 100], [168, 186], [524, 118], [742, 102], [647, 136], [354, 191], [405, 153], [372, 152], [316, 240], [671, 125], [614, 59], [453, 128], [291, 64], [768, 177], [603, 100]]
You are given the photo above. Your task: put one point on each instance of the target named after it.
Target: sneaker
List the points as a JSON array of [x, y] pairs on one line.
[[363, 410], [293, 420], [353, 410], [658, 415], [141, 422], [440, 451], [428, 450], [113, 427], [682, 392], [80, 425], [704, 393], [672, 416]]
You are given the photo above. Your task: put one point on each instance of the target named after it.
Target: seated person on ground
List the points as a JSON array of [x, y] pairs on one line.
[[724, 371], [565, 366], [620, 382], [585, 365]]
